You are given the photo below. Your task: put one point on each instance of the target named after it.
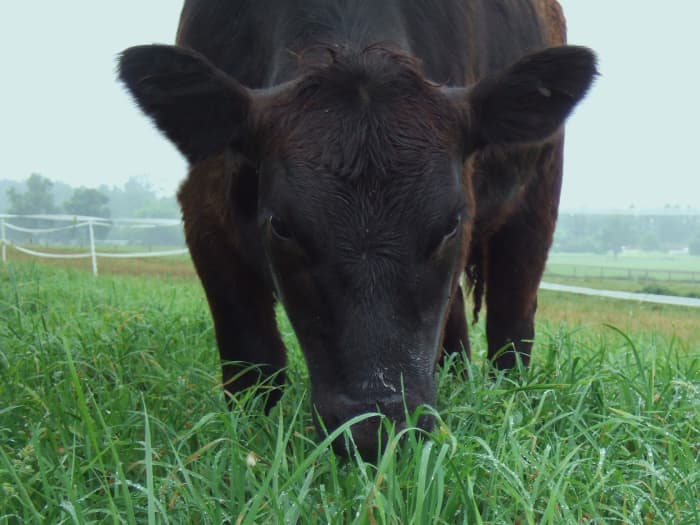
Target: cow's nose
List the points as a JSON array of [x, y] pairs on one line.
[[370, 435]]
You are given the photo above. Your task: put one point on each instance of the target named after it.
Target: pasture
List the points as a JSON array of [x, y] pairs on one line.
[[632, 271], [631, 259], [111, 411]]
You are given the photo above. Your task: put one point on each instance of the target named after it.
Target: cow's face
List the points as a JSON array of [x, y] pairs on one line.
[[362, 206], [366, 270], [365, 220]]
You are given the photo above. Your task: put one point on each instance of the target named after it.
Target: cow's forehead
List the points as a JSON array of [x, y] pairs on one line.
[[367, 153], [396, 199], [369, 132], [366, 104], [366, 167]]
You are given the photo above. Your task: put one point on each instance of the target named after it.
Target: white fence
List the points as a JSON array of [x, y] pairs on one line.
[[74, 224], [625, 296]]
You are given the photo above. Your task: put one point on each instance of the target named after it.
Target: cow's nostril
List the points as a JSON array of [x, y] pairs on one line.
[[370, 435], [393, 407]]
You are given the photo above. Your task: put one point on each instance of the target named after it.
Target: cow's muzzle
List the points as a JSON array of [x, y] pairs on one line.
[[370, 435]]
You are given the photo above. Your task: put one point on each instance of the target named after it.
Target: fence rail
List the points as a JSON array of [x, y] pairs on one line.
[[625, 296], [625, 273], [7, 222]]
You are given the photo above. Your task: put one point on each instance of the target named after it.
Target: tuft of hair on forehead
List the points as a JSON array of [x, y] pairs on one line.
[[370, 110], [371, 76]]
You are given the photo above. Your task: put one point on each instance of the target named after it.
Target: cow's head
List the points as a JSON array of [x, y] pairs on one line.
[[363, 207]]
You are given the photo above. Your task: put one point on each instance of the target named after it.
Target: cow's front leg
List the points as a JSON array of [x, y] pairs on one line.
[[241, 304], [516, 253], [513, 278], [249, 344], [516, 260]]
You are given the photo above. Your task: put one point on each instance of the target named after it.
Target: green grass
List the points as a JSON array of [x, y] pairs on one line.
[[111, 412], [659, 325]]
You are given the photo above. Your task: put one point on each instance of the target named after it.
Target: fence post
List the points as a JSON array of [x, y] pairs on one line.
[[3, 240], [92, 248]]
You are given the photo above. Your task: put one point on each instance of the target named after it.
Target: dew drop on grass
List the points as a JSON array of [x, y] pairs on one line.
[[601, 458], [637, 507]]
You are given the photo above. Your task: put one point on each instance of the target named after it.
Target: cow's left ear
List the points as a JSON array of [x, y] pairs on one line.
[[197, 106], [528, 101]]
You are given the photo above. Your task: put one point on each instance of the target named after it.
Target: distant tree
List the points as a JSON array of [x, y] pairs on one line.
[[137, 198], [650, 242], [5, 186], [38, 199], [138, 192], [602, 233], [614, 236], [91, 202], [87, 201], [162, 208], [62, 192]]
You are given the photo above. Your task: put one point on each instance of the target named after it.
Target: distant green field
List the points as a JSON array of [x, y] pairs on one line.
[[634, 272], [636, 260], [111, 412]]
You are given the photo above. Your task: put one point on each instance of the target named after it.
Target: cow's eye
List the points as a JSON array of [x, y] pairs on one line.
[[453, 229], [279, 229], [451, 233]]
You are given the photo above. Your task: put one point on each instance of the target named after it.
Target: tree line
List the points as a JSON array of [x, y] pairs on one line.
[[669, 229], [39, 195]]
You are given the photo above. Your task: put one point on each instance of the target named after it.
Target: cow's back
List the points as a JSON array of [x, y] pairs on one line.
[[237, 36], [457, 41]]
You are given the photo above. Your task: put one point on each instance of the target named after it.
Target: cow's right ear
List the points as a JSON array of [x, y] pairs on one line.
[[527, 102], [197, 106]]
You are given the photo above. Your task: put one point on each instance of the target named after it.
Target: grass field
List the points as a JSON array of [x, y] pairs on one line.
[[111, 412], [669, 274], [631, 259]]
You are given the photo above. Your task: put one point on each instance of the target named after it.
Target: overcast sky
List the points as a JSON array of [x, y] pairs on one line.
[[633, 141]]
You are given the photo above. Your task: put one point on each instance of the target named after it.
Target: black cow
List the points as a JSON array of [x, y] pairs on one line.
[[351, 158]]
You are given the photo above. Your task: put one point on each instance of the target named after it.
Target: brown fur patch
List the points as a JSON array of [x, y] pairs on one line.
[[202, 197], [554, 21]]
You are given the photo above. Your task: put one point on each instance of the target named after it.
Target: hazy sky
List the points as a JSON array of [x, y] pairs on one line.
[[633, 141]]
